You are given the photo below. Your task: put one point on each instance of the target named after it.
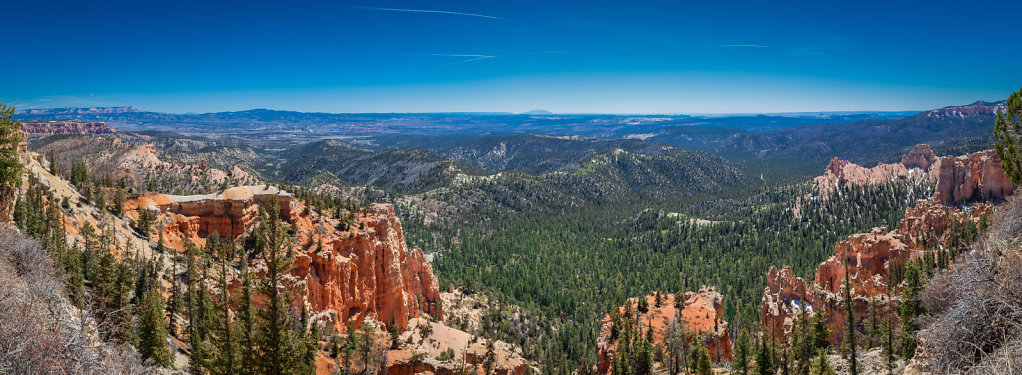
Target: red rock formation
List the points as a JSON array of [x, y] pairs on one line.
[[976, 176], [366, 273], [40, 128], [927, 224], [869, 258], [702, 313], [914, 167], [784, 295], [921, 157], [357, 273]]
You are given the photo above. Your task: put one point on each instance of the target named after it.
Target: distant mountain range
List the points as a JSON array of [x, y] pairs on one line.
[[488, 141], [335, 124]]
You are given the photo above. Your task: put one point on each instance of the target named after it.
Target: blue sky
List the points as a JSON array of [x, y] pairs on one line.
[[575, 57]]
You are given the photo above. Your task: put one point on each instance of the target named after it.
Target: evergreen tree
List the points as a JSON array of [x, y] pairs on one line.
[[764, 363], [704, 366], [853, 361], [10, 167], [245, 320], [275, 339], [820, 333], [489, 359], [368, 350], [911, 307], [54, 169], [1008, 129], [152, 336], [119, 199], [196, 304], [822, 366], [644, 357], [741, 361], [226, 346], [174, 305]]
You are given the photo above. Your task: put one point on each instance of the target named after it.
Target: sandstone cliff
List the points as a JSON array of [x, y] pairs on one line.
[[871, 258], [972, 177], [915, 167], [364, 271], [702, 313], [44, 128]]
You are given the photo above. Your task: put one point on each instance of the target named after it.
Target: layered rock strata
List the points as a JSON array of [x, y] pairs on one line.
[[915, 167], [869, 260], [342, 275], [973, 177]]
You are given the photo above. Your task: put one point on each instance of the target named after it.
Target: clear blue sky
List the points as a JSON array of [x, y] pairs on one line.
[[432, 56]]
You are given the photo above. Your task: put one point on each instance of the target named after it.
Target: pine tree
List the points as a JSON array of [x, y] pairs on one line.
[[369, 352], [10, 167], [820, 333], [54, 169], [152, 336], [196, 304], [395, 338], [275, 339], [704, 366], [742, 353], [119, 199], [821, 366], [764, 364], [245, 320], [887, 331], [911, 307], [644, 357], [489, 359], [174, 305], [1008, 129], [853, 361], [874, 324], [225, 360]]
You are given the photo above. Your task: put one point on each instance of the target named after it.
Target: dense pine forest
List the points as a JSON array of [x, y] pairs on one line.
[[572, 267]]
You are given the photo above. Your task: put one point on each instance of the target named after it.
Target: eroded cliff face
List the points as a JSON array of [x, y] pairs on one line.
[[869, 260], [702, 313], [342, 275], [972, 177], [44, 128], [915, 167], [366, 272]]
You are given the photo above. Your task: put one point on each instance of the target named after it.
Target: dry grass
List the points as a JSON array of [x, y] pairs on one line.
[[40, 331], [975, 310]]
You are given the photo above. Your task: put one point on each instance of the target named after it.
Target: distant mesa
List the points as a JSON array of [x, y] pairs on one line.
[[44, 128], [538, 112], [979, 108]]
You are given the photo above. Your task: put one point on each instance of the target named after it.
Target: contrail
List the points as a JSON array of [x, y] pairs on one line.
[[431, 11], [470, 57], [745, 45]]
